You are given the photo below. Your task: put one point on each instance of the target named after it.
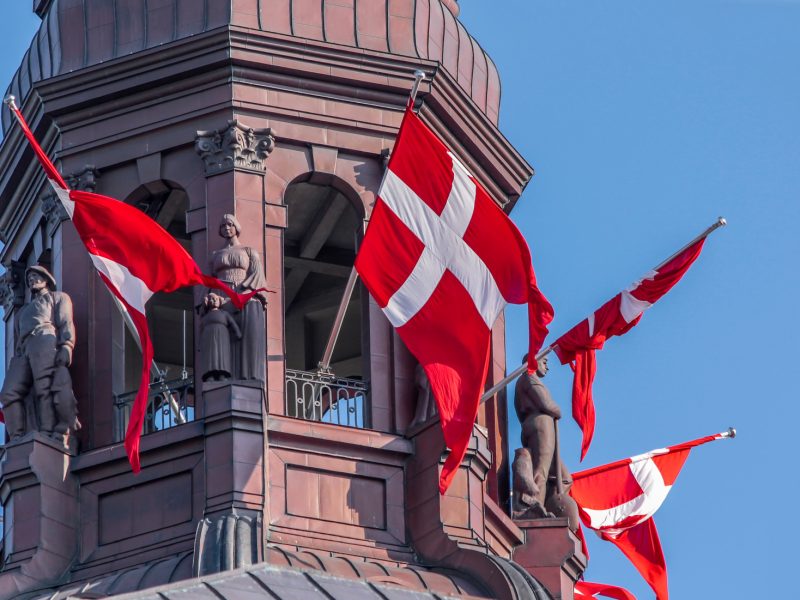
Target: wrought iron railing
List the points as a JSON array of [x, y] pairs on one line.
[[326, 398], [169, 403]]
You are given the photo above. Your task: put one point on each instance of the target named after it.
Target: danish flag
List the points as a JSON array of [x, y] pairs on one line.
[[442, 260], [135, 257], [615, 317], [585, 590], [618, 501]]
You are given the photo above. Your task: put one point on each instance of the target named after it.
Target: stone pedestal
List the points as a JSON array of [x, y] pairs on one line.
[[552, 554], [231, 534], [40, 503]]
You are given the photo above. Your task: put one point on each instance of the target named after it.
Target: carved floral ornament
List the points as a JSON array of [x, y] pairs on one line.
[[234, 147]]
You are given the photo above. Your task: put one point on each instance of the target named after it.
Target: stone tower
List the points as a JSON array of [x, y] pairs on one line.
[[282, 113]]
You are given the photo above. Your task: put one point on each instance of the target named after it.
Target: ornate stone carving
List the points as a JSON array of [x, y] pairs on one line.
[[84, 180], [234, 147], [54, 212], [12, 291]]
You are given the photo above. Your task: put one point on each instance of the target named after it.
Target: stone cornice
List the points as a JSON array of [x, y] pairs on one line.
[[277, 62]]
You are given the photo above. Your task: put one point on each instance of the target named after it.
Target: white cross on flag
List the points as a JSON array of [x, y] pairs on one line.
[[442, 260], [618, 501]]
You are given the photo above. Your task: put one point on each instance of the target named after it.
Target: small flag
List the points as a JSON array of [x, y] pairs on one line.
[[615, 317], [135, 257], [618, 501]]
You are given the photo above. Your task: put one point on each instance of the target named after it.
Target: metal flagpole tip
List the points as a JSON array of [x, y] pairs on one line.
[[10, 99], [419, 74], [731, 432], [722, 221]]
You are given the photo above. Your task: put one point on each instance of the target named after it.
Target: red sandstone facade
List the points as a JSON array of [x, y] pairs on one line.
[[128, 96]]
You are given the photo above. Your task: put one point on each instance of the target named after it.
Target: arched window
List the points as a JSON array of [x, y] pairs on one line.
[[324, 228], [170, 318]]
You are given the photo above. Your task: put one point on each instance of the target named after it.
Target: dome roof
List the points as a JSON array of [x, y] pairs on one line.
[[77, 34]]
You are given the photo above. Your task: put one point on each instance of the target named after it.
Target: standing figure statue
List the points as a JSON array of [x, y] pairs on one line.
[[216, 328], [537, 468], [240, 267], [44, 339]]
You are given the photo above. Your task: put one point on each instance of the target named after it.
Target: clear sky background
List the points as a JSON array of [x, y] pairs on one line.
[[645, 121]]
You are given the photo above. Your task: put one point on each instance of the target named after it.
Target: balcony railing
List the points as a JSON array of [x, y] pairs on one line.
[[326, 398], [169, 403]]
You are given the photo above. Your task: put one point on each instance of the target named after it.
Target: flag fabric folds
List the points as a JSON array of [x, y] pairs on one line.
[[135, 257], [442, 260], [615, 317], [585, 590], [618, 501]]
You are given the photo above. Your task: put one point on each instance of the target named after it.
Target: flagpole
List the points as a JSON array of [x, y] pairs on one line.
[[729, 434], [419, 77], [720, 222], [324, 365], [10, 100]]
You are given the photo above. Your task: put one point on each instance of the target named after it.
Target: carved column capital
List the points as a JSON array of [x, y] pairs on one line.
[[84, 180], [234, 147], [54, 212]]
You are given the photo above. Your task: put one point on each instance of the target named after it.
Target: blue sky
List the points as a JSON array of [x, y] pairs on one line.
[[645, 121]]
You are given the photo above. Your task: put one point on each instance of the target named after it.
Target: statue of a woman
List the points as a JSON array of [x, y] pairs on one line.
[[240, 267]]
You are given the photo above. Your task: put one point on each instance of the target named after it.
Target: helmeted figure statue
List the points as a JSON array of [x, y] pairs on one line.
[[240, 267], [44, 339], [537, 469]]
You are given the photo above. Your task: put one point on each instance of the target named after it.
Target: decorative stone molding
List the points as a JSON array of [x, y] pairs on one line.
[[54, 212], [234, 147], [84, 180], [12, 290]]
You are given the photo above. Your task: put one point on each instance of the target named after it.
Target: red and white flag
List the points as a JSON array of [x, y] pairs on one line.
[[136, 258], [585, 590], [618, 501], [442, 260], [615, 317]]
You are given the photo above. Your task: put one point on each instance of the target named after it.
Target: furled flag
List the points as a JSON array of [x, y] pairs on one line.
[[618, 501], [615, 317], [442, 260], [135, 257], [585, 590]]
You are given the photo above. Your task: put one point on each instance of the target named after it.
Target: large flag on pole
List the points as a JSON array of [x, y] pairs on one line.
[[616, 317], [442, 260], [135, 257], [618, 501], [585, 590]]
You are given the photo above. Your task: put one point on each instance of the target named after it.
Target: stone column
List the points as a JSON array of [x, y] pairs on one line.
[[552, 554], [40, 503], [231, 533]]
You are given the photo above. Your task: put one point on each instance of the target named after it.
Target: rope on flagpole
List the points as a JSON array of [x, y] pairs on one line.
[[720, 222]]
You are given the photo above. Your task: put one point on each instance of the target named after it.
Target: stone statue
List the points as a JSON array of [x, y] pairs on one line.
[[215, 339], [426, 403], [37, 390], [537, 468], [240, 267]]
